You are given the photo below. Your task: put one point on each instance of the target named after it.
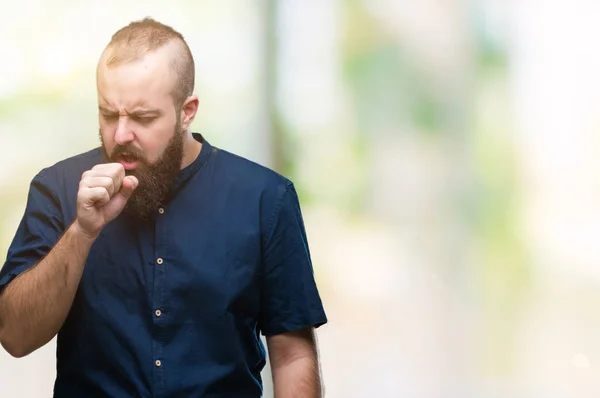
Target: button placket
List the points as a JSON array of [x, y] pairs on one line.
[[158, 317]]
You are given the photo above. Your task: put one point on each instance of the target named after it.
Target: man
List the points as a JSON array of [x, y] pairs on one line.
[[157, 258]]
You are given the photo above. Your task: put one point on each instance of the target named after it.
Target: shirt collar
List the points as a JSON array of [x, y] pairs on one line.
[[186, 173]]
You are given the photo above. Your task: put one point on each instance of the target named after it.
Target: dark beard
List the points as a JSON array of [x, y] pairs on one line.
[[155, 179]]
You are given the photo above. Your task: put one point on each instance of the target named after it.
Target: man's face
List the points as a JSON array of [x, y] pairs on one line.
[[140, 127]]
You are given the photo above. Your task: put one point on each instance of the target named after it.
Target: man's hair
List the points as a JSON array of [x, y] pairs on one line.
[[135, 40]]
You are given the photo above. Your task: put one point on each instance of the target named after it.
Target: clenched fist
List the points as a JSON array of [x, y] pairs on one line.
[[103, 193]]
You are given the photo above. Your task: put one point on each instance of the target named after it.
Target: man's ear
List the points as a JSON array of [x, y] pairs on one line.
[[188, 111]]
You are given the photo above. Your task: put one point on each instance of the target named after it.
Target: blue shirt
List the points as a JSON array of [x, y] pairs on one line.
[[174, 306]]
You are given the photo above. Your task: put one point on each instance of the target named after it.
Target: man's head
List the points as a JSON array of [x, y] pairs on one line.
[[145, 81]]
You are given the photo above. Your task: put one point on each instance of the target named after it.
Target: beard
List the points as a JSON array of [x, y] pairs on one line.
[[155, 179]]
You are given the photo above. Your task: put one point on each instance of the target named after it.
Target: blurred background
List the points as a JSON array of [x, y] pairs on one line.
[[446, 153]]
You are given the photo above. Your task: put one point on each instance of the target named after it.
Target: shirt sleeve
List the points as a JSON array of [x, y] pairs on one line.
[[290, 298], [40, 228]]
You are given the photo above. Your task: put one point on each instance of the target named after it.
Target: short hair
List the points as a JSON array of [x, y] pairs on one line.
[[135, 40]]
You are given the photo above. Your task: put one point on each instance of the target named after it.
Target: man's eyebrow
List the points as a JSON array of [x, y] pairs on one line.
[[106, 110], [139, 112], [145, 112]]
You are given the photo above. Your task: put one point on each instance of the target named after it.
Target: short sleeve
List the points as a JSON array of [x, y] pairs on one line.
[[40, 228], [290, 299]]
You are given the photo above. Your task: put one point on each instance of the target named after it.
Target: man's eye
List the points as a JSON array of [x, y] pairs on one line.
[[109, 117], [144, 120]]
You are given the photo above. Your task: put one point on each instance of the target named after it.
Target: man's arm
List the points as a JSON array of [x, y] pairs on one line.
[[35, 304], [295, 364]]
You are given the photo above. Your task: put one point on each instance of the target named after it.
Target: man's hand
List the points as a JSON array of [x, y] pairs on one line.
[[103, 192]]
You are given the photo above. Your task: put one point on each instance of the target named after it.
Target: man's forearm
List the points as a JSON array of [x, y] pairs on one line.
[[299, 378], [35, 304]]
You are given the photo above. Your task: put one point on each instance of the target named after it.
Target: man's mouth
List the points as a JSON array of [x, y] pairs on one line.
[[128, 161]]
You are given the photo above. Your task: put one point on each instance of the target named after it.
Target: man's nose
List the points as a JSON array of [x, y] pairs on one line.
[[123, 133]]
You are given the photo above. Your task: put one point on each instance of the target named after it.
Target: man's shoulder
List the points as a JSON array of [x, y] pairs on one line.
[[243, 171], [73, 166], [252, 181]]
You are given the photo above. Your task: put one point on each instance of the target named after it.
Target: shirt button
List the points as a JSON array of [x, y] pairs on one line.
[[159, 260], [158, 312], [161, 210], [158, 363]]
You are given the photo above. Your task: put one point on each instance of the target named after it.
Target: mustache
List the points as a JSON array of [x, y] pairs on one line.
[[126, 150]]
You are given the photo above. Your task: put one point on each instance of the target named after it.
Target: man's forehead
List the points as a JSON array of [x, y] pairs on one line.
[[144, 83], [140, 107], [134, 87]]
